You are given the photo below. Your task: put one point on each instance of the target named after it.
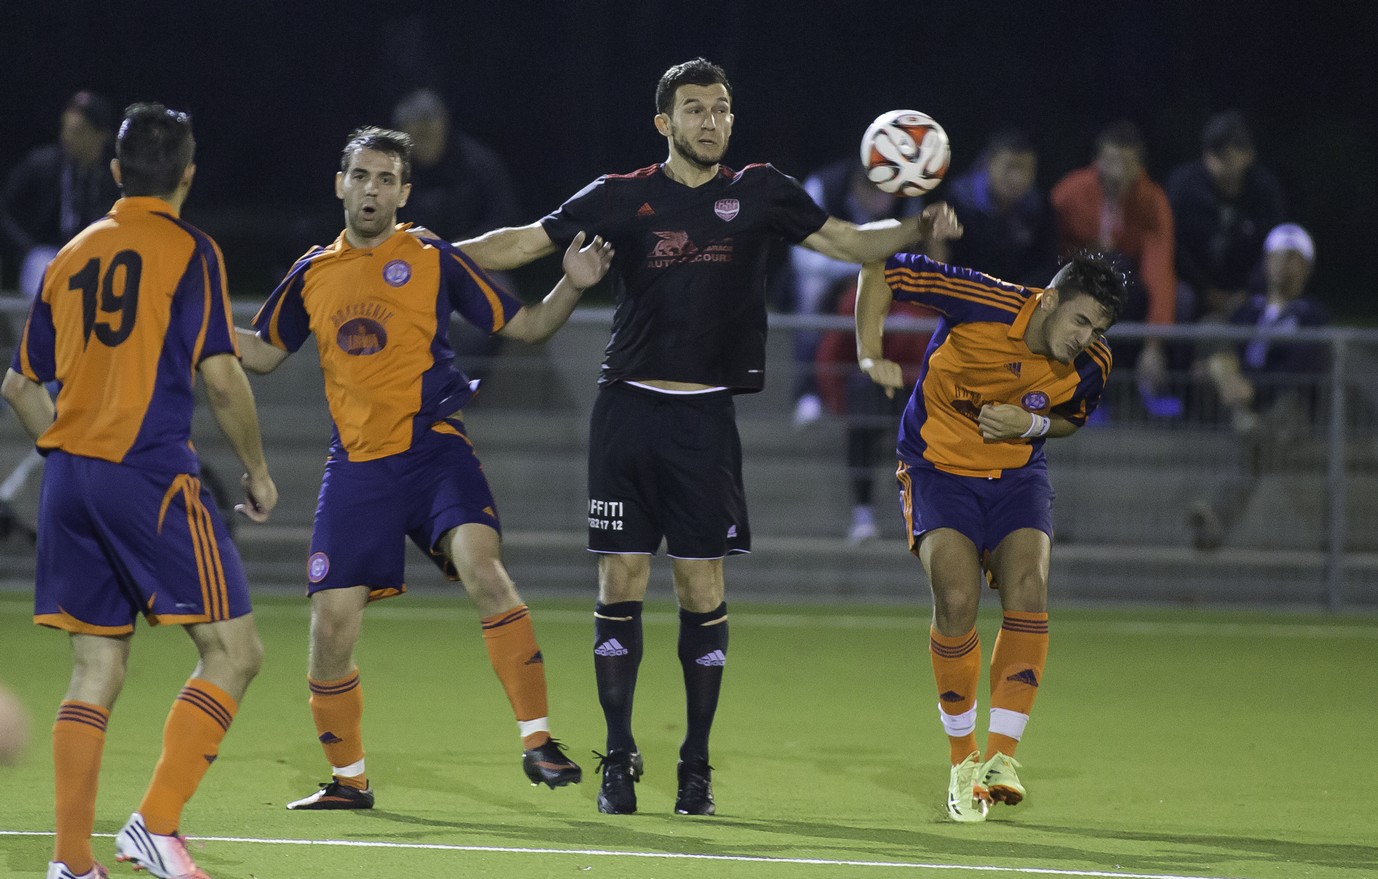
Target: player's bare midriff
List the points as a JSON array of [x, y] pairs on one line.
[[665, 385]]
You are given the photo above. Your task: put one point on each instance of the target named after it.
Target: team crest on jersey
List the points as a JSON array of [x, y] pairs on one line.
[[727, 208], [317, 566], [673, 244], [361, 336], [1035, 401], [397, 272]]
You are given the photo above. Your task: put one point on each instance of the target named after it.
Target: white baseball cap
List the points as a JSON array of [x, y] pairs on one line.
[[1290, 236]]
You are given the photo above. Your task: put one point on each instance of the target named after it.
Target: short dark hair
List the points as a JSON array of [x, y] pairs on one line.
[[383, 140], [1224, 130], [700, 71], [1095, 274], [154, 146], [1124, 134]]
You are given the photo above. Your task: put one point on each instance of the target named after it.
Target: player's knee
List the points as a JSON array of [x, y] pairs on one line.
[[1025, 592], [954, 613], [99, 674], [622, 577], [239, 659]]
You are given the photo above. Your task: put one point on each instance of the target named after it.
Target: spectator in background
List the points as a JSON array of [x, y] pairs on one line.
[[461, 188], [1009, 225], [1223, 204], [871, 416], [1269, 385], [842, 190], [60, 188], [1112, 205]]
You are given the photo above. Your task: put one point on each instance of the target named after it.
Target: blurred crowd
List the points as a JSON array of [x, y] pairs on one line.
[[1211, 244]]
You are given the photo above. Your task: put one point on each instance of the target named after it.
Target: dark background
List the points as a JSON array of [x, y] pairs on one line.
[[564, 92]]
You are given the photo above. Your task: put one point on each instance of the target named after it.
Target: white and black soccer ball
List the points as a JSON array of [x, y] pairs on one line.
[[905, 152]]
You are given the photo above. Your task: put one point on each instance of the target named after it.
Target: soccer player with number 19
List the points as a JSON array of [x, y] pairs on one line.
[[131, 311], [1007, 368]]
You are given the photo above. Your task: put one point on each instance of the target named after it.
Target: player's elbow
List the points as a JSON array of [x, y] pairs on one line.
[[527, 326]]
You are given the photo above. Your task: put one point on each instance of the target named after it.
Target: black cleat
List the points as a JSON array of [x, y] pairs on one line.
[[621, 771], [548, 765], [695, 795], [336, 796]]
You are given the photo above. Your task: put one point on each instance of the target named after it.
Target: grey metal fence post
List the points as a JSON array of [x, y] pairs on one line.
[[1336, 484]]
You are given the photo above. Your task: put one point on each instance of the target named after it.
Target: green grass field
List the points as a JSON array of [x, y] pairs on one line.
[[1166, 743]]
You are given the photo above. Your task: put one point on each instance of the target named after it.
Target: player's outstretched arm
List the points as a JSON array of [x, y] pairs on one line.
[[30, 401], [258, 356], [849, 242], [505, 249], [232, 402], [584, 266], [873, 299]]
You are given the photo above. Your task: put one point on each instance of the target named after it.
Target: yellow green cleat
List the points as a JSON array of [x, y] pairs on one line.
[[998, 776], [967, 800]]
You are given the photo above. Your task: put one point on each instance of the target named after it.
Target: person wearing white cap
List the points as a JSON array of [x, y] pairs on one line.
[[1269, 385]]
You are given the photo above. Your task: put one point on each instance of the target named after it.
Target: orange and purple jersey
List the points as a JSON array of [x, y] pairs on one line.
[[381, 318], [977, 356], [127, 311]]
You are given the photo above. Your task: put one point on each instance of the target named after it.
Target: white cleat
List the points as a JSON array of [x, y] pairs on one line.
[[59, 870], [163, 856]]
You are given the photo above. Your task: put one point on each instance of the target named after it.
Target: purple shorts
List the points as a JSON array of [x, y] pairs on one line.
[[367, 509], [985, 510], [116, 541]]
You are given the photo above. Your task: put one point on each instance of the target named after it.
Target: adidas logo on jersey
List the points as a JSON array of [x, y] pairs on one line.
[[646, 210], [610, 647], [717, 657], [731, 531], [1015, 367]]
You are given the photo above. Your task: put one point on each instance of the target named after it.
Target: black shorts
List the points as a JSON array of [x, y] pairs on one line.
[[666, 465]]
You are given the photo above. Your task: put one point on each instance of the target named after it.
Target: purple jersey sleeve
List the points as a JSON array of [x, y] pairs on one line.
[[35, 358], [283, 321], [472, 293], [206, 312]]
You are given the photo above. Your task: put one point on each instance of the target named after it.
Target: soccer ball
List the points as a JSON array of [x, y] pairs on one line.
[[905, 152]]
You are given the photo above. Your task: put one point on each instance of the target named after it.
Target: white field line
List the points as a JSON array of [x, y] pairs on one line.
[[674, 856]]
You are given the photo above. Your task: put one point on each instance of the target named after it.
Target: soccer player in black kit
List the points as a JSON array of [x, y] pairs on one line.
[[691, 237]]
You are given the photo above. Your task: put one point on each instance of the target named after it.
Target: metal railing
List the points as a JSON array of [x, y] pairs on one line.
[[1339, 431]]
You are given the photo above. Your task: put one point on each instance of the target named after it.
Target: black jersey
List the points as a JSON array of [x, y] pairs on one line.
[[690, 268]]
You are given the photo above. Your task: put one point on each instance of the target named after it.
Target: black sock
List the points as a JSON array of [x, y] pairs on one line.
[[702, 653], [616, 658]]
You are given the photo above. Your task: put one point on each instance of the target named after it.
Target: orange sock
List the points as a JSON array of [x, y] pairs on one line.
[[516, 657], [78, 741], [1016, 670], [192, 734], [337, 707], [957, 669]]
